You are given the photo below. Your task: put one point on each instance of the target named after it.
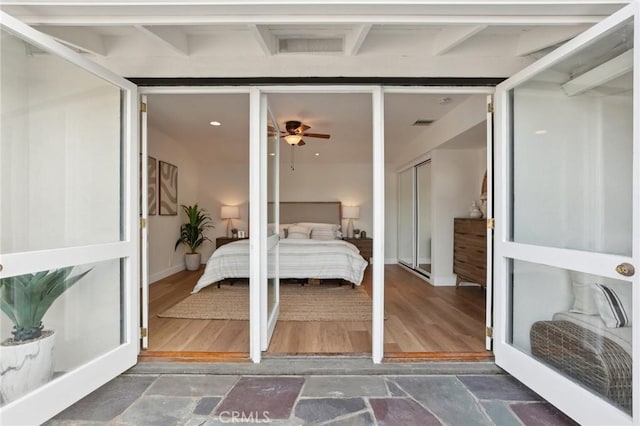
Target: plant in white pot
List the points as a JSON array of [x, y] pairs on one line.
[[26, 359], [192, 234]]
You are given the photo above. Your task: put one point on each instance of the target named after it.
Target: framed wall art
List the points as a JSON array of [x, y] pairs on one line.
[[152, 186], [168, 199]]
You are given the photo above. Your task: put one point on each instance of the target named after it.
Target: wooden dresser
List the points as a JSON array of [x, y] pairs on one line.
[[470, 250]]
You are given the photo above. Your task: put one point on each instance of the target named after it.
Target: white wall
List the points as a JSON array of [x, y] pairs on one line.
[[349, 183], [164, 230], [223, 184], [456, 181]]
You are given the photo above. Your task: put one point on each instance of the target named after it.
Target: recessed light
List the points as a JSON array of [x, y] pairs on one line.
[[215, 123], [273, 154], [541, 132], [317, 154]]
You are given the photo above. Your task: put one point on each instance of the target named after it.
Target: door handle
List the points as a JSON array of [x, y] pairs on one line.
[[626, 269]]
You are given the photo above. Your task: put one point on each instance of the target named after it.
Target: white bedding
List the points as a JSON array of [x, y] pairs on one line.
[[298, 259], [621, 336]]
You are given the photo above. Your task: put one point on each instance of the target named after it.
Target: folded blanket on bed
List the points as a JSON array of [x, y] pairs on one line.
[[322, 259]]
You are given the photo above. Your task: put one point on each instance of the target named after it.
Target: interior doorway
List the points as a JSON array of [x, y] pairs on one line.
[[432, 309], [335, 169]]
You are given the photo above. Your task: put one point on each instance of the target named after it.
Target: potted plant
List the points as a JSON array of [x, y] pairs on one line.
[[26, 359], [192, 234]]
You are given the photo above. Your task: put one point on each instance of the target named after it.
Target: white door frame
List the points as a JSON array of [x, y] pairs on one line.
[[377, 92], [68, 388], [578, 402], [471, 90]]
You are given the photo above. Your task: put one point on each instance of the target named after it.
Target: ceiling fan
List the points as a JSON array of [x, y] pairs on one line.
[[295, 130]]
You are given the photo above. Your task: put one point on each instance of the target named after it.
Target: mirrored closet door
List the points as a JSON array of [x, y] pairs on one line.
[[414, 218]]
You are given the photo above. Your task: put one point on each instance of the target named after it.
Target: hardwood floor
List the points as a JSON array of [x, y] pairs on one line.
[[419, 318]]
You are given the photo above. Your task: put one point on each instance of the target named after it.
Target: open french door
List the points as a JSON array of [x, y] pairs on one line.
[[264, 239], [567, 237], [489, 215], [270, 303], [69, 199]]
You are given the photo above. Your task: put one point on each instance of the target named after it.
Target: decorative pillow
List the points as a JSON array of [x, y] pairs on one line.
[[614, 304], [323, 234], [284, 228], [297, 232], [584, 301], [314, 225]]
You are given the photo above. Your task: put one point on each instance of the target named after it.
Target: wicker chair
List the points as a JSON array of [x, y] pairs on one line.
[[593, 360]]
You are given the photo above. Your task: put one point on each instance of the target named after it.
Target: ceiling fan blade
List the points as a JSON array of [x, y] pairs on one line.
[[302, 128], [301, 143], [317, 135]]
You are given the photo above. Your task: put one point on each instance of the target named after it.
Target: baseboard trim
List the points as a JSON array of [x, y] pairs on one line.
[[164, 274], [444, 280]]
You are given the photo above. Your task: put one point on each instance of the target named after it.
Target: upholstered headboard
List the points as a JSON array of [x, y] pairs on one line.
[[311, 211]]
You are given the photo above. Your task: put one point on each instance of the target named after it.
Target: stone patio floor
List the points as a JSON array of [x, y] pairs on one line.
[[215, 399]]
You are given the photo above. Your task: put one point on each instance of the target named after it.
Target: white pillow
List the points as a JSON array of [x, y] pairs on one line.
[[614, 304], [323, 234], [584, 301], [283, 230], [297, 232]]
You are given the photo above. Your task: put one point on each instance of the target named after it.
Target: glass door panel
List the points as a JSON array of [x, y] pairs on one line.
[[61, 152], [572, 163], [270, 157], [578, 324], [67, 233], [566, 153], [423, 216], [406, 211]]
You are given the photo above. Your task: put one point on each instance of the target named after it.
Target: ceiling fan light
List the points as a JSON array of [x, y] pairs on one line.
[[293, 139]]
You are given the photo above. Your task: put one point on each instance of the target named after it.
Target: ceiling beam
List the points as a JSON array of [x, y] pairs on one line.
[[173, 38], [352, 19], [451, 37], [354, 40], [265, 39], [543, 37], [81, 38], [600, 75]]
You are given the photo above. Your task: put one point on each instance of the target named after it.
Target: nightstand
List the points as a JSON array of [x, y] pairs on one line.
[[365, 245], [220, 241]]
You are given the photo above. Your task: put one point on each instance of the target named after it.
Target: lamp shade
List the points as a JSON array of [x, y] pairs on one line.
[[351, 212], [293, 139], [229, 212]]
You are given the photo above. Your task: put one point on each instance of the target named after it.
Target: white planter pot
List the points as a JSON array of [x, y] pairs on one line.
[[192, 261], [26, 366]]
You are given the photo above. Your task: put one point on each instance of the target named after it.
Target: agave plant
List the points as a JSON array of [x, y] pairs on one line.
[[26, 298], [192, 233]]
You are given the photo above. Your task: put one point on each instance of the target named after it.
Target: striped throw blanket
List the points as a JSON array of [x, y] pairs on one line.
[[297, 259]]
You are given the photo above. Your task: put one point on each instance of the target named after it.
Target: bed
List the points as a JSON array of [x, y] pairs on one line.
[[587, 348], [320, 254]]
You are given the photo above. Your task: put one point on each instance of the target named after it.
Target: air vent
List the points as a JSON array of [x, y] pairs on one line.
[[423, 122], [310, 45]]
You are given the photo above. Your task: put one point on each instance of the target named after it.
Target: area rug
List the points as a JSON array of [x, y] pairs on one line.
[[324, 302]]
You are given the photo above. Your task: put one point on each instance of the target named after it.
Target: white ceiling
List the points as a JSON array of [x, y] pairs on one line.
[[377, 38], [209, 38], [346, 117]]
